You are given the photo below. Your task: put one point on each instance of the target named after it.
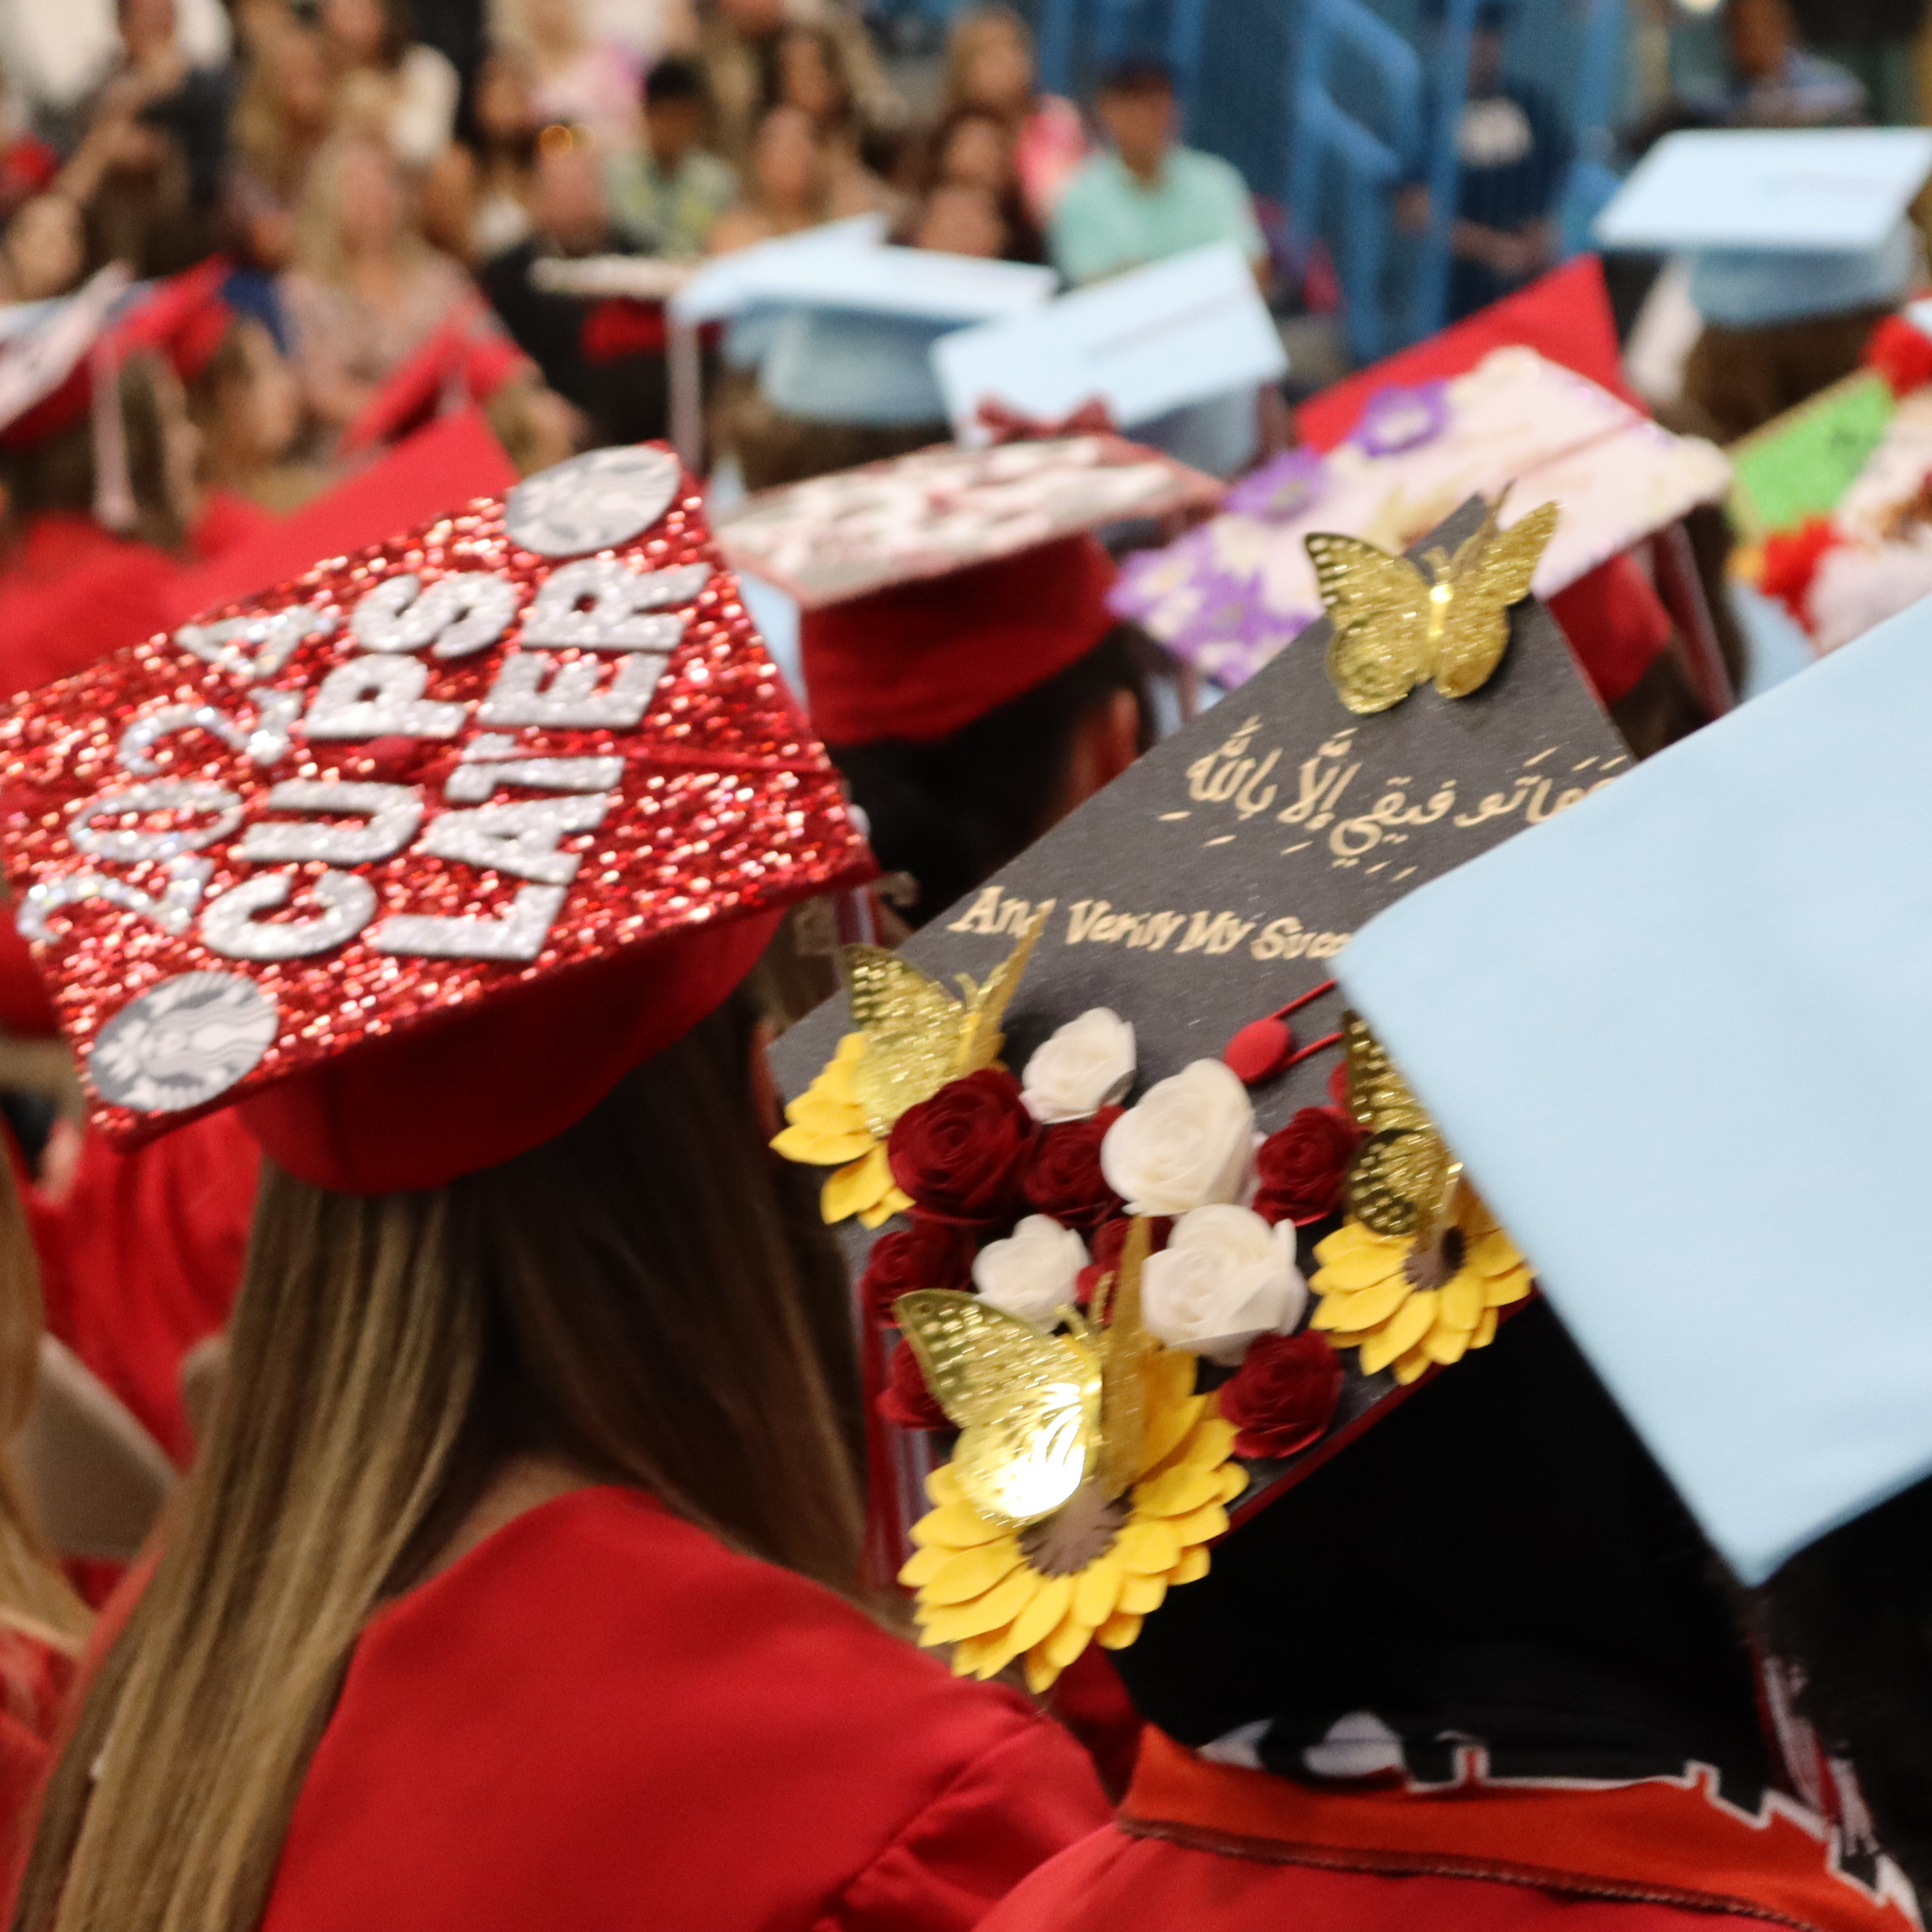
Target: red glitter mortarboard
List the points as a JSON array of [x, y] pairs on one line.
[[415, 856], [924, 659]]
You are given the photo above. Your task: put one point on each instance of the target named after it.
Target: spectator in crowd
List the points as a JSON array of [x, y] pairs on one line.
[[989, 67], [606, 356], [958, 218], [504, 112], [1876, 41], [248, 407], [789, 186], [807, 74], [1775, 81], [148, 172], [1514, 151], [366, 289], [1148, 197], [43, 250], [666, 195], [387, 85], [739, 43], [577, 78], [972, 147], [281, 120]]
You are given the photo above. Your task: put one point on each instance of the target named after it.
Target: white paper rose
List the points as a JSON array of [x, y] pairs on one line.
[[1188, 1141], [1032, 1272], [1088, 1064], [1224, 1277]]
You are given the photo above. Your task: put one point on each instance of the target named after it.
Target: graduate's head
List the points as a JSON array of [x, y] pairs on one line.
[[520, 1204], [971, 712], [1136, 106]]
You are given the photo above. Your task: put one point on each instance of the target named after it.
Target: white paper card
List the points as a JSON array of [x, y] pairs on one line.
[[1145, 342], [1795, 190]]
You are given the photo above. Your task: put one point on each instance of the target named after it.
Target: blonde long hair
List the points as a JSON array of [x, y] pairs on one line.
[[637, 1296], [34, 1595]]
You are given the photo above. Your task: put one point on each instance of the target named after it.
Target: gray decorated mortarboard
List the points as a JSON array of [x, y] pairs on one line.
[[1160, 1225]]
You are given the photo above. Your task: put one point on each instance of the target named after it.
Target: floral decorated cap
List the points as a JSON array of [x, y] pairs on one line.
[[1153, 1256], [413, 857], [1741, 927], [940, 510]]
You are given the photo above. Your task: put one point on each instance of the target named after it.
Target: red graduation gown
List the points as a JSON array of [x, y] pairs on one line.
[[602, 1719], [1217, 1849]]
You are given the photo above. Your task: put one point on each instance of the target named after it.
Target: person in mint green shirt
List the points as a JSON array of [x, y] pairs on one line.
[[666, 196], [1147, 197]]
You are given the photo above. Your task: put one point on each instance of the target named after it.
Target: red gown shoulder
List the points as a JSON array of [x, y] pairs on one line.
[[602, 1717]]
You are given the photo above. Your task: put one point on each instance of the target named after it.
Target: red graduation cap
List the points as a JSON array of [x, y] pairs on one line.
[[412, 857], [183, 318], [466, 361]]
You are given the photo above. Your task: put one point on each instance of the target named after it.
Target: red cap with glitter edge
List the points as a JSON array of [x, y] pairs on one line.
[[924, 659], [413, 857]]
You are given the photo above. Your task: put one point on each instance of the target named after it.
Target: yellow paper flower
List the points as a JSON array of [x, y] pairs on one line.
[[828, 1129], [1096, 1567], [1406, 1304]]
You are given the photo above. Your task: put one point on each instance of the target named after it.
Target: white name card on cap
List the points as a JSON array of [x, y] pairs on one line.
[[1796, 190], [1682, 1038], [1144, 342]]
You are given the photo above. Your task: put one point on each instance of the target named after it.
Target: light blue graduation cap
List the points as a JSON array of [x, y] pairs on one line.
[[844, 326], [1145, 342], [1831, 190], [1681, 1036]]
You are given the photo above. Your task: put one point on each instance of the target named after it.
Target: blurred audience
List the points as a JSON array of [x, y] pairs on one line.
[[1148, 197], [389, 87], [43, 250], [789, 186], [281, 120], [989, 67], [739, 42], [577, 78], [603, 355], [366, 288], [974, 148], [666, 195]]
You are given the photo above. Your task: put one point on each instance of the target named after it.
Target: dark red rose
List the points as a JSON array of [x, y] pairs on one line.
[[906, 1402], [959, 1154], [928, 1254], [1284, 1395], [1302, 1167], [1104, 1247], [1062, 1177]]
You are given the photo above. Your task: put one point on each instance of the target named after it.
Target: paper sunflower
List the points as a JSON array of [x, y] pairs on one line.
[[828, 1128], [1096, 1567], [1407, 1302]]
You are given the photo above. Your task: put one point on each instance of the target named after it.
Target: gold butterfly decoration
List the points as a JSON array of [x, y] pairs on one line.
[[1039, 1414], [1394, 628], [917, 1036], [1404, 1180]]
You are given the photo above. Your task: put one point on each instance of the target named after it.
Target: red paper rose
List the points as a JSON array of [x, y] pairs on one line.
[[928, 1254], [1302, 1166], [959, 1154], [905, 1401], [1108, 1241], [1283, 1397], [1062, 1177]]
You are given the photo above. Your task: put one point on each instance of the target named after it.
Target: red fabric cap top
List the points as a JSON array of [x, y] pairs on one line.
[[183, 318], [412, 858], [924, 659]]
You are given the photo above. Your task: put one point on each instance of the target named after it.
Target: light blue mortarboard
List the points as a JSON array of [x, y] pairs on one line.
[[1835, 190], [1682, 1036], [1146, 343]]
